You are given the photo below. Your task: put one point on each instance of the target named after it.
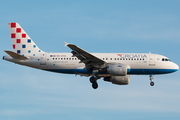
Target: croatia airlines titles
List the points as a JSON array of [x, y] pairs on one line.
[[132, 55]]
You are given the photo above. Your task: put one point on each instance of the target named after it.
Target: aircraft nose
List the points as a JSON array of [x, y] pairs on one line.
[[175, 66]]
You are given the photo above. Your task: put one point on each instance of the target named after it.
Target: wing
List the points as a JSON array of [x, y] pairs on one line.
[[88, 59]]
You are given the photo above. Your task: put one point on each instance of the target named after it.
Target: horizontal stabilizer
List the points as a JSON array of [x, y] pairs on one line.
[[15, 55]]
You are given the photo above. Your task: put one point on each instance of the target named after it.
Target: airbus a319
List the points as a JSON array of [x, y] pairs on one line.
[[112, 67]]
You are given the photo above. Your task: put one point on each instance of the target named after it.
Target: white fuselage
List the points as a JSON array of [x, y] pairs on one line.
[[138, 63]]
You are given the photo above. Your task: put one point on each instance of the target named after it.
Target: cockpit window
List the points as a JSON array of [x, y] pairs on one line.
[[165, 59]]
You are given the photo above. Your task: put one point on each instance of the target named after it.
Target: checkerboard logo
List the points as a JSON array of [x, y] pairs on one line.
[[21, 42]]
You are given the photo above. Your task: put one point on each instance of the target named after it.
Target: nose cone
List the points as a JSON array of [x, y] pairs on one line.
[[175, 67]]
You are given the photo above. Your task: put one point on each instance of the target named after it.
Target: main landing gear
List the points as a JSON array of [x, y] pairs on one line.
[[151, 79], [93, 80]]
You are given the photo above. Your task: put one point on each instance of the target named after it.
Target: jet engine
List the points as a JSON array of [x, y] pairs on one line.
[[116, 69], [119, 80]]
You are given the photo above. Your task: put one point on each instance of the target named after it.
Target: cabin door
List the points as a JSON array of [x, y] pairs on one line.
[[151, 60], [43, 59]]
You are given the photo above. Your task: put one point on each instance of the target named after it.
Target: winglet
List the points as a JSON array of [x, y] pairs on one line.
[[65, 43]]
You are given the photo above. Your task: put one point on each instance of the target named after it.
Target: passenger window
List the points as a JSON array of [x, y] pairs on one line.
[[140, 59], [64, 58], [137, 59], [134, 58], [120, 58], [103, 58], [163, 59], [106, 58], [123, 58], [72, 58], [110, 58], [131, 58], [143, 58], [114, 58], [61, 58], [75, 58], [117, 58], [53, 58], [69, 58], [126, 58], [56, 58]]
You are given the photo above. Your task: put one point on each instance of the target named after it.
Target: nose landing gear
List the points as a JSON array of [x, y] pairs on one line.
[[151, 79]]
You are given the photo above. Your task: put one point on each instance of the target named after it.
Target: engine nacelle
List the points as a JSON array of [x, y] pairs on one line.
[[119, 80], [117, 69]]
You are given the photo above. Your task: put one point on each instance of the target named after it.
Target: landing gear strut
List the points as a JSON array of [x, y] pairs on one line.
[[151, 79], [93, 80]]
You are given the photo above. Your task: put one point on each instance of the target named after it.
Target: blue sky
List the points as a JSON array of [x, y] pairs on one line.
[[136, 26]]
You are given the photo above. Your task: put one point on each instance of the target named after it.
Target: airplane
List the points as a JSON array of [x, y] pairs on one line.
[[112, 67]]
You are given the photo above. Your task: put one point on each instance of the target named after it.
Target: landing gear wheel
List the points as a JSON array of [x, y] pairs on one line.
[[152, 83], [151, 79], [95, 85], [92, 79]]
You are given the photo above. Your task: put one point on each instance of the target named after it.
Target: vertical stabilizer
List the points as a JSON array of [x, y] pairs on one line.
[[21, 42]]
